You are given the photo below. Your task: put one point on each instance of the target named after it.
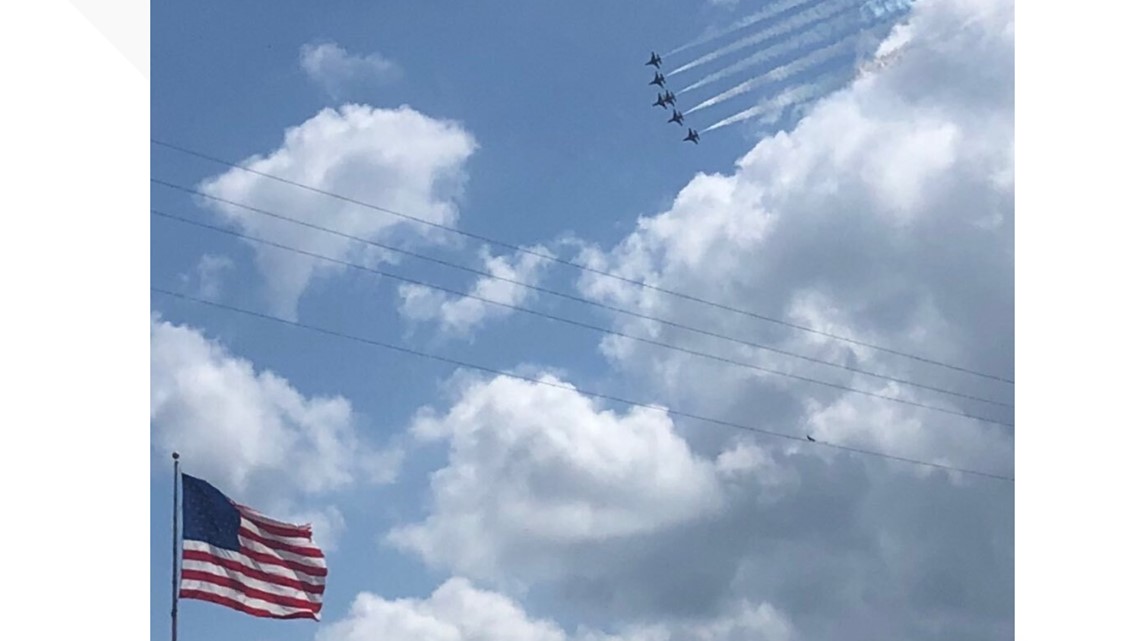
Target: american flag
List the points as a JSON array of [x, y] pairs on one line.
[[236, 557]]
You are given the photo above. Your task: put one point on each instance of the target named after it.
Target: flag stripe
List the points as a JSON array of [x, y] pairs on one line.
[[297, 562], [260, 580], [269, 607], [236, 561], [270, 573], [275, 534], [270, 559], [244, 605], [262, 561], [278, 527], [303, 551], [267, 592], [296, 600]]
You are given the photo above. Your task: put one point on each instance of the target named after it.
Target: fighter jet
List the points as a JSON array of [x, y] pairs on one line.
[[670, 98], [693, 136], [677, 117], [658, 79], [660, 102], [654, 60]]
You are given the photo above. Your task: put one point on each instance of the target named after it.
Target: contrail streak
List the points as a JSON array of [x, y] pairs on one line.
[[763, 14], [803, 93], [820, 11], [822, 32], [818, 57]]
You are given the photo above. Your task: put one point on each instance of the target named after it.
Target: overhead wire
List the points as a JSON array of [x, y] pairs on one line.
[[577, 265], [605, 306], [609, 397], [541, 314]]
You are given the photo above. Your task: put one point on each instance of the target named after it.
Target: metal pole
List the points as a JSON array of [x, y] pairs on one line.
[[174, 560]]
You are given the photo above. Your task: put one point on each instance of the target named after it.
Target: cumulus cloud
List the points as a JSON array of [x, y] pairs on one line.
[[458, 316], [455, 611], [544, 492], [459, 611], [886, 215], [337, 71], [399, 159], [744, 621], [253, 434], [533, 467]]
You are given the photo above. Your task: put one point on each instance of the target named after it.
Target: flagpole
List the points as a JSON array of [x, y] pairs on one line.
[[174, 560]]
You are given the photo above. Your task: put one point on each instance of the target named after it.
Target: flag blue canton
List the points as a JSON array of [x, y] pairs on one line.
[[208, 516]]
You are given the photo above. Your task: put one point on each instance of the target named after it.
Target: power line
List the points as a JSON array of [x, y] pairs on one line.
[[608, 397], [580, 266], [576, 323], [590, 302]]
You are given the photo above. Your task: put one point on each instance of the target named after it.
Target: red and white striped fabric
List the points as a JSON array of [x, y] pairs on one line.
[[275, 572]]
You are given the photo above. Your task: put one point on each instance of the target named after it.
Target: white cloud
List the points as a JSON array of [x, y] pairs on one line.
[[207, 277], [533, 467], [252, 434], [337, 71], [746, 464], [395, 158], [745, 621], [458, 611], [885, 215], [458, 316], [618, 517]]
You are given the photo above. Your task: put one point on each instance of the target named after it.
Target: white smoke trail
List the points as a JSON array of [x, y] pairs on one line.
[[803, 93], [799, 97], [820, 33], [820, 11], [819, 57], [747, 21]]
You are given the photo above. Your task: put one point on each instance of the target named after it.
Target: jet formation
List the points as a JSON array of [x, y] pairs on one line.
[[667, 100]]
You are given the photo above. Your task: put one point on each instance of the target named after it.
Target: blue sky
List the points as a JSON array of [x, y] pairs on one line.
[[548, 128]]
